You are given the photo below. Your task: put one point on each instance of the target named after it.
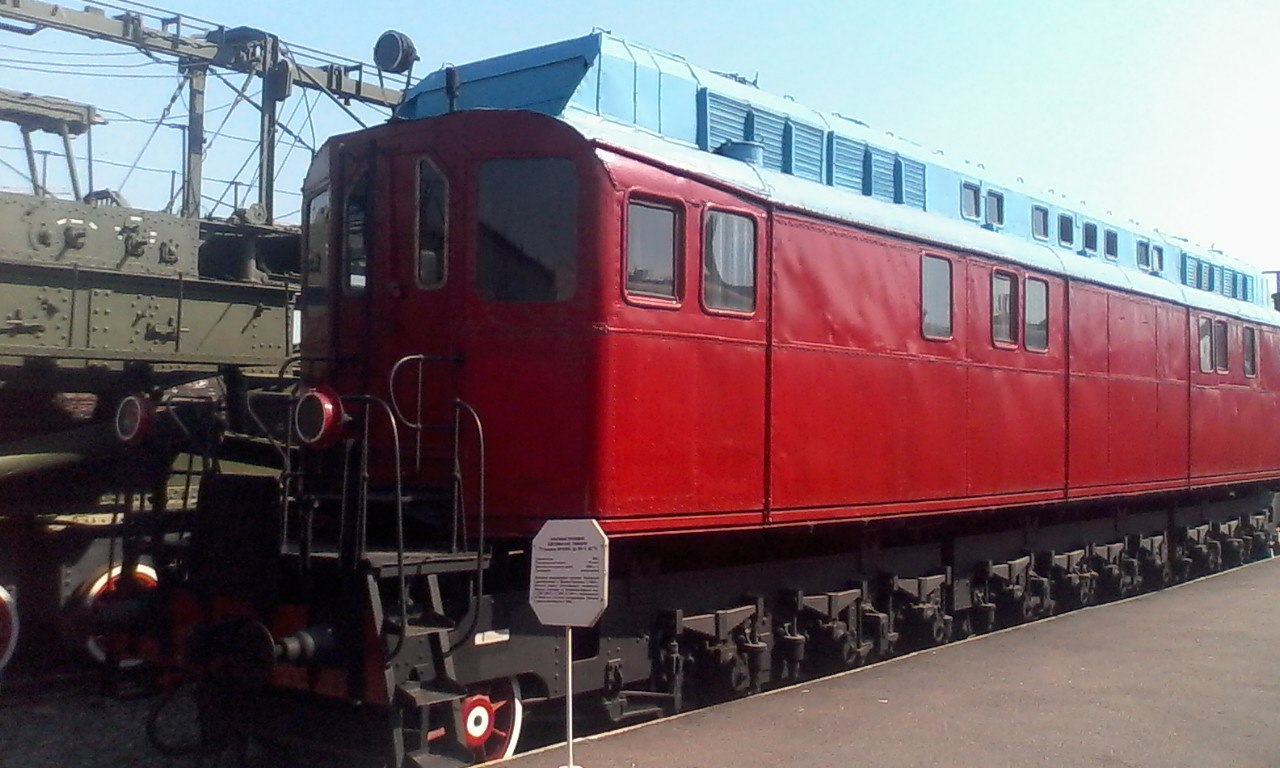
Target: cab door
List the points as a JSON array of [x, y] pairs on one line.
[[421, 355]]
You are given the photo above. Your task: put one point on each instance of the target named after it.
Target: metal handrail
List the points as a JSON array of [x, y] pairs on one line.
[[391, 388]]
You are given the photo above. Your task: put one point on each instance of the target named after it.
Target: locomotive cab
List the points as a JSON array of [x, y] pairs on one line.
[[449, 277]]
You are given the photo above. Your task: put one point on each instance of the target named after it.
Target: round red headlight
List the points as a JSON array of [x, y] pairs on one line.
[[134, 418], [318, 417]]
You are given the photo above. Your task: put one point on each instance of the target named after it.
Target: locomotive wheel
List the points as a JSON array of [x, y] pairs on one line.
[[492, 718], [8, 627], [101, 592]]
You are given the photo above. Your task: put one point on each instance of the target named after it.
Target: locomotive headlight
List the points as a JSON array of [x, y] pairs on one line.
[[318, 418], [134, 418]]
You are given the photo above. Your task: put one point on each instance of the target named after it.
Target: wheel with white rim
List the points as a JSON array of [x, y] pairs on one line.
[[96, 594], [8, 627], [492, 717]]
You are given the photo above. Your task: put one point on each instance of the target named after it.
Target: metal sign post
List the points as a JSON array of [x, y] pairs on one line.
[[569, 587]]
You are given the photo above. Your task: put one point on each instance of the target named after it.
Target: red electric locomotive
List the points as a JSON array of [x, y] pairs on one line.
[[820, 425]]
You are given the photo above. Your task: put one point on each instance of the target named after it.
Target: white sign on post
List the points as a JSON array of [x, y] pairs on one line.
[[569, 577], [569, 587]]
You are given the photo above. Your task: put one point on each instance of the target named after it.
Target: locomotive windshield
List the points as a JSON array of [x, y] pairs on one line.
[[528, 230]]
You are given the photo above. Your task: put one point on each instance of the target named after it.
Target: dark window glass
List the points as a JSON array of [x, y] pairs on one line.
[[1036, 325], [1220, 359], [729, 262], [1004, 308], [355, 233], [528, 230], [969, 200], [1206, 345], [1157, 258], [935, 297], [651, 250], [316, 231], [1066, 229], [1144, 254], [1250, 352], [1091, 237], [1111, 244], [433, 223], [1040, 222], [995, 208]]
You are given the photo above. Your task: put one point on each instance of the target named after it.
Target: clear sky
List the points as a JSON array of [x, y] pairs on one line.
[[1160, 110]]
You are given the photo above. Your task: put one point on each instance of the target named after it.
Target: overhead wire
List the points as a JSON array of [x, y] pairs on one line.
[[80, 64], [95, 54], [116, 164], [127, 75], [155, 128]]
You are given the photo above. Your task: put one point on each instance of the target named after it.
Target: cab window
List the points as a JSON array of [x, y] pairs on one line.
[[729, 262], [1004, 308], [528, 230], [935, 297], [315, 223], [652, 255], [433, 222], [355, 234]]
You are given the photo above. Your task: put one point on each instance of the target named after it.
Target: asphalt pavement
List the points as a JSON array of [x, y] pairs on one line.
[[1182, 677]]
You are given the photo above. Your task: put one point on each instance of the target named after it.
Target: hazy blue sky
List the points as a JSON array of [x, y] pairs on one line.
[[1164, 111]]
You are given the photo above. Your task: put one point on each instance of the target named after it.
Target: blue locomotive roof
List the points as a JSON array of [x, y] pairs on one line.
[[656, 103]]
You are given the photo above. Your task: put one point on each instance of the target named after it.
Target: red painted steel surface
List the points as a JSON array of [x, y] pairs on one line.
[[825, 403]]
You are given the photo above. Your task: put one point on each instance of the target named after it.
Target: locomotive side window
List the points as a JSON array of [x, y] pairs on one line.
[[1250, 352], [528, 230], [433, 223], [1220, 360], [1004, 308], [1111, 244], [995, 208], [1206, 345], [1157, 258], [1066, 229], [935, 297], [316, 235], [729, 262], [970, 200], [355, 234], [651, 250], [1040, 222], [1036, 323]]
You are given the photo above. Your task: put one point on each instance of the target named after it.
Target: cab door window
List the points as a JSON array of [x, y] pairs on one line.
[[433, 225], [356, 231]]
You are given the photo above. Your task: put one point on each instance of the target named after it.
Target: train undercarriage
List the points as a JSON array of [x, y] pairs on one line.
[[384, 656]]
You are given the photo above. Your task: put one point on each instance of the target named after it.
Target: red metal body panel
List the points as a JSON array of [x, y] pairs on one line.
[[682, 411], [825, 403]]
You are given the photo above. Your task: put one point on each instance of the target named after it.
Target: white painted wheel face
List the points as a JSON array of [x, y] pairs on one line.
[[8, 627], [103, 585], [478, 721]]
